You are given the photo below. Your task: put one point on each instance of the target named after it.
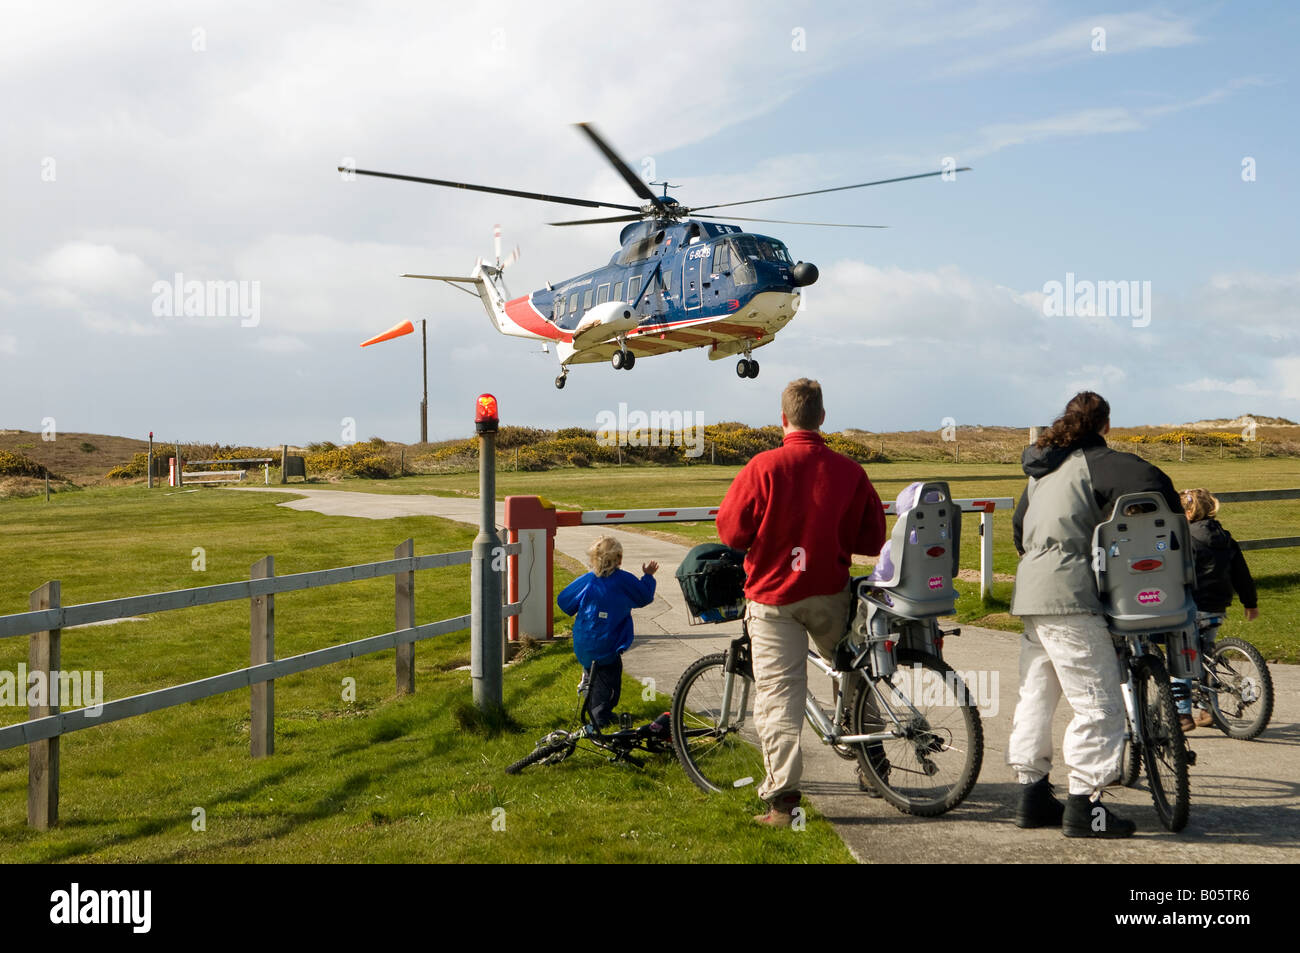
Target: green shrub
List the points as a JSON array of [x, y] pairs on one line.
[[15, 464]]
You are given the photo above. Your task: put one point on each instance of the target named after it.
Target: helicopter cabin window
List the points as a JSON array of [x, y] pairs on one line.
[[721, 258], [618, 291], [602, 294], [586, 299], [633, 288], [559, 307], [573, 303], [667, 278]]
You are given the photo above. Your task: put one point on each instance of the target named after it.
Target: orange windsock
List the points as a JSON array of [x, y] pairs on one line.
[[396, 331]]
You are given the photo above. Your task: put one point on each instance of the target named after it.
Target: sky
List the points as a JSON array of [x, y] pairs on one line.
[[1150, 145]]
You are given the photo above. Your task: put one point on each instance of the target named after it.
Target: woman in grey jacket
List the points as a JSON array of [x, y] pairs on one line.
[[1074, 480]]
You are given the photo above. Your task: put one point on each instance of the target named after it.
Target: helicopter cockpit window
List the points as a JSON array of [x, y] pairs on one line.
[[774, 251], [746, 247]]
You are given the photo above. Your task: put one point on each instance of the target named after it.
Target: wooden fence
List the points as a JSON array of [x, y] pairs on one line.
[[48, 617], [1262, 496]]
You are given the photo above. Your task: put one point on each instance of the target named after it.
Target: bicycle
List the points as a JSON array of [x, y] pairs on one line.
[[1147, 600], [900, 710], [1153, 736], [1237, 689], [621, 744]]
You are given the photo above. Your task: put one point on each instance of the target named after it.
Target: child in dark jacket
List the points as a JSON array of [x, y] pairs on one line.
[[602, 602], [1220, 570]]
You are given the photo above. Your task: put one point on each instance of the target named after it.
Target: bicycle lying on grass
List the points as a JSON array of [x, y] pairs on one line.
[[900, 710], [622, 744]]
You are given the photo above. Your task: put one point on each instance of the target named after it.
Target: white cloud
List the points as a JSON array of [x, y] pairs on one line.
[[1124, 33], [1242, 386]]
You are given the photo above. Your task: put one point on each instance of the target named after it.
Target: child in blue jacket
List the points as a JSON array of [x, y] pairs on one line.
[[602, 601]]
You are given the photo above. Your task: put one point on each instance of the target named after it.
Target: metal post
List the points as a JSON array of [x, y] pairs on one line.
[[180, 465], [424, 404], [262, 649], [284, 463], [404, 596], [151, 459], [486, 565], [43, 756]]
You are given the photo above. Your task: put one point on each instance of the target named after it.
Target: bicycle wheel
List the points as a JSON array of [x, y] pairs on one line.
[[718, 748], [1164, 749], [931, 763], [541, 752], [1240, 689]]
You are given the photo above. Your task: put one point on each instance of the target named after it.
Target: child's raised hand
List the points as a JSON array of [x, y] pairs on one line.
[[650, 568], [1252, 615]]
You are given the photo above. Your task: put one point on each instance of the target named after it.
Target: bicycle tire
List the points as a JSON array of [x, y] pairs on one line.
[[537, 754], [715, 759], [1164, 749], [1244, 691], [904, 777], [1130, 765]]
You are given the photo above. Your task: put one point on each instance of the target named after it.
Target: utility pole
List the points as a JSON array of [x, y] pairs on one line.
[[424, 404]]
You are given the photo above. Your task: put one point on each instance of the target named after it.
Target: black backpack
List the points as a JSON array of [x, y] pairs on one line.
[[712, 576]]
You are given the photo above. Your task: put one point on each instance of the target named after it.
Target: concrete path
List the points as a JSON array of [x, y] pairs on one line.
[[1245, 795]]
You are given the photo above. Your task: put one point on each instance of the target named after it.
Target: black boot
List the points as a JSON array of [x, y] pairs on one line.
[[1085, 817], [1038, 807]]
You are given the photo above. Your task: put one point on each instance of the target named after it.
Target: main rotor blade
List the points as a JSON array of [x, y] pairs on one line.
[[640, 188], [782, 221], [600, 221], [841, 188], [562, 199]]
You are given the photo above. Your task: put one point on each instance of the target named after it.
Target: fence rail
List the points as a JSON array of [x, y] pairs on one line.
[[44, 625], [1262, 496]]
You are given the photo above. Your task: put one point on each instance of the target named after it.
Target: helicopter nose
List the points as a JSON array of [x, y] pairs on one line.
[[805, 273]]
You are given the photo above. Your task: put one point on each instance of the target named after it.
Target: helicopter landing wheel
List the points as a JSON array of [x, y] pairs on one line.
[[629, 360], [746, 368], [753, 369], [617, 360], [559, 381]]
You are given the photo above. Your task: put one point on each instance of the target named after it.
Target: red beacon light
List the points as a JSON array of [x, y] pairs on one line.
[[485, 414]]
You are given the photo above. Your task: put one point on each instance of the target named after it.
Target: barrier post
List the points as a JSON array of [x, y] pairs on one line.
[[531, 522], [262, 649], [43, 755], [404, 594], [986, 553]]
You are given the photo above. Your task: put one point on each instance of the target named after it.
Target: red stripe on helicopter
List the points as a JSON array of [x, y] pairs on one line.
[[522, 312]]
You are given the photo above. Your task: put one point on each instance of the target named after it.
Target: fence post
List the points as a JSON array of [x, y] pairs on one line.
[[261, 630], [404, 607], [486, 567], [43, 756]]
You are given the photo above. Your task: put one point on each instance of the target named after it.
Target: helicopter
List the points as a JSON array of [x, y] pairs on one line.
[[675, 283]]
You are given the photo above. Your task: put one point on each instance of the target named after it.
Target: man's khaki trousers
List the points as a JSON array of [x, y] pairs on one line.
[[780, 645]]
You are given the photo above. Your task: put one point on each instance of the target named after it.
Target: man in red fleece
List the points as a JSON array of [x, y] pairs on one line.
[[800, 512]]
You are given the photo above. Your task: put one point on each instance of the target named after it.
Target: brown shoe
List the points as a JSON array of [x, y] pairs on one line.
[[780, 811], [1185, 722], [1203, 718]]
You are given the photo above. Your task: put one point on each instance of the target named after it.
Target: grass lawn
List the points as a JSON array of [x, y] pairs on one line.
[[379, 778], [1276, 572]]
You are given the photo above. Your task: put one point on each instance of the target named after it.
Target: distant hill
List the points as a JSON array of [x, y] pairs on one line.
[[1236, 423]]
